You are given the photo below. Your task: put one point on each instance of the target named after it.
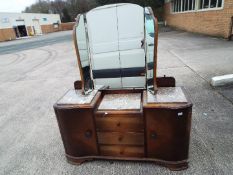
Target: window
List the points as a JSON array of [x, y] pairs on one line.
[[208, 4], [183, 5], [191, 5], [44, 19]]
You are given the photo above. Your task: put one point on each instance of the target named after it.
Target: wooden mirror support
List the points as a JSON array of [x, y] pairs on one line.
[[85, 72], [80, 83], [156, 29]]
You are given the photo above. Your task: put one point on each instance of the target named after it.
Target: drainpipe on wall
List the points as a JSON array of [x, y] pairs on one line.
[[231, 30]]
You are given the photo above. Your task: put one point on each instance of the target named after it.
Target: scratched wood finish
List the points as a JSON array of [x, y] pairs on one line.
[[119, 122], [122, 151], [158, 133], [127, 138], [77, 129], [167, 133]]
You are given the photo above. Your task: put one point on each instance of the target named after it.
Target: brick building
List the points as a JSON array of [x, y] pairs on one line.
[[211, 17], [16, 25]]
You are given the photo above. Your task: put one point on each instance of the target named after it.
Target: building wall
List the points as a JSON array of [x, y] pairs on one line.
[[29, 29], [67, 26], [46, 23], [49, 28], [7, 34], [210, 22], [9, 20]]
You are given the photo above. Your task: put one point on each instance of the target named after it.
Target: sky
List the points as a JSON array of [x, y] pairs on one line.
[[14, 5]]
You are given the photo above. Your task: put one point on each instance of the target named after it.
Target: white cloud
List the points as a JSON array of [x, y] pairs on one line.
[[14, 5]]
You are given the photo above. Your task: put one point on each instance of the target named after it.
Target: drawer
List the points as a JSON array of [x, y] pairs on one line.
[[122, 151], [120, 123], [117, 138]]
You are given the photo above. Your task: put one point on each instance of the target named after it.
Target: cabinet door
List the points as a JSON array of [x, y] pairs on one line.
[[77, 131], [167, 133]]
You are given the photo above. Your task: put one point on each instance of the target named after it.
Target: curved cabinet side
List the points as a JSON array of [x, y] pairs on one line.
[[168, 133], [77, 131]]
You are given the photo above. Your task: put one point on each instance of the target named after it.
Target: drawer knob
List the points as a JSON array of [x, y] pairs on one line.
[[153, 135], [118, 124], [88, 133], [120, 138], [105, 114]]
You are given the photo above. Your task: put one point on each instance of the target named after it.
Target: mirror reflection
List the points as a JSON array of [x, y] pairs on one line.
[[114, 56], [83, 48], [149, 36]]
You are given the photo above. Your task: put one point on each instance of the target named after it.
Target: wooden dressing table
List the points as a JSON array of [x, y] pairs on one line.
[[147, 123], [127, 125]]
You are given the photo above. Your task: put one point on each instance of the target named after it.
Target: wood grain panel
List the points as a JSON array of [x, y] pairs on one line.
[[122, 151], [168, 133], [129, 138], [77, 130], [7, 34], [120, 123]]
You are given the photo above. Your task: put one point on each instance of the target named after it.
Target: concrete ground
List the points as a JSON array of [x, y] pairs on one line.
[[17, 45], [32, 80]]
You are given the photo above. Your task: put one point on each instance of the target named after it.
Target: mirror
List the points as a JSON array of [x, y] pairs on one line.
[[151, 36], [115, 39], [116, 58], [82, 52]]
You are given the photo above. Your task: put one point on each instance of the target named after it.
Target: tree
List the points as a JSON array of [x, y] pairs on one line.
[[69, 9], [41, 6], [157, 5]]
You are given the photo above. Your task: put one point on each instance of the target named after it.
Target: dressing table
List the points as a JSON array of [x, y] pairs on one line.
[[121, 110]]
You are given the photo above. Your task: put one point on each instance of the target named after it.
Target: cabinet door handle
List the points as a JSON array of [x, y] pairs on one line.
[[153, 135], [121, 152], [105, 114], [120, 138], [88, 133]]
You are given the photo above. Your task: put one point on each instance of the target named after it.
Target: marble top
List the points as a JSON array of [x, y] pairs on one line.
[[121, 101], [167, 95], [76, 97]]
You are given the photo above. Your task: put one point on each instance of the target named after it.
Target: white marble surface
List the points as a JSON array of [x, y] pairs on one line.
[[121, 101], [167, 95], [76, 97]]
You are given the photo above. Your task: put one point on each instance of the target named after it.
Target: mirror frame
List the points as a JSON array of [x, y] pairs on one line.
[[78, 56], [156, 28], [155, 51]]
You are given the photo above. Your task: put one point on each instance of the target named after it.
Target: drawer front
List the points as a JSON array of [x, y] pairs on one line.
[[120, 123], [116, 138], [122, 151]]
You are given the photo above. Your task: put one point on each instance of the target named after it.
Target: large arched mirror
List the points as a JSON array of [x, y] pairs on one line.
[[83, 54], [111, 48]]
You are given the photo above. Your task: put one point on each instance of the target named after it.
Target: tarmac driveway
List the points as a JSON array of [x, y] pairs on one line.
[[32, 79]]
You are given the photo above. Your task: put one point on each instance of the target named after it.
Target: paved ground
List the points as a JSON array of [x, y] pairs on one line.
[[15, 46], [32, 80]]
